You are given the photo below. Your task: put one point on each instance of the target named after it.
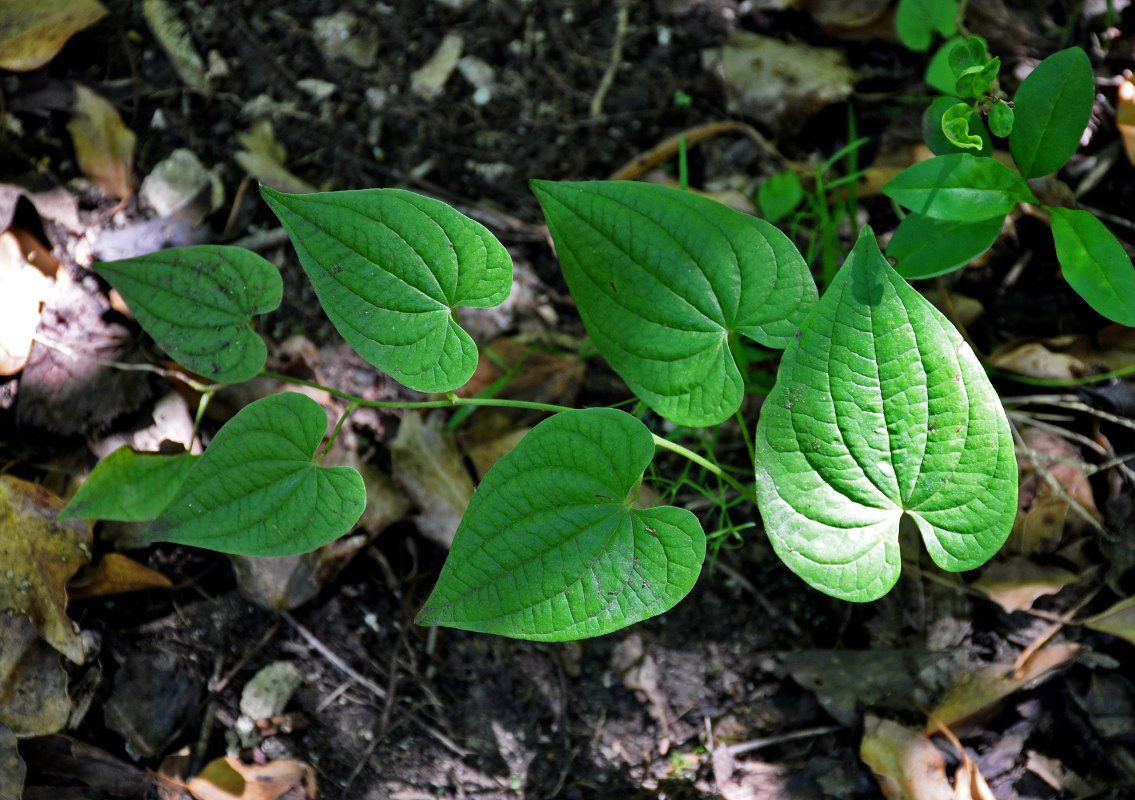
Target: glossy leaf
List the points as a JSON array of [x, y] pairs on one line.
[[129, 486], [552, 547], [1095, 264], [936, 138], [959, 187], [880, 410], [390, 268], [257, 490], [197, 304], [924, 247], [1001, 119], [1051, 109], [665, 282]]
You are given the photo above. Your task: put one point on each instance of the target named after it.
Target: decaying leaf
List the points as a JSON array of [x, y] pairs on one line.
[[171, 33], [33, 31], [229, 778], [907, 764], [428, 465], [25, 291], [1125, 116], [33, 685], [1056, 497], [1035, 360], [38, 555], [104, 146], [12, 767], [428, 81], [978, 691], [263, 158], [1119, 620], [116, 574], [1014, 584]]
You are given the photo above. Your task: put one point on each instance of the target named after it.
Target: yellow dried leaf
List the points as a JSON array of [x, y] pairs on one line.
[[1016, 583], [172, 35], [1125, 116], [33, 31], [907, 764], [116, 574], [104, 146], [33, 685], [263, 158], [229, 778], [38, 555], [1119, 620]]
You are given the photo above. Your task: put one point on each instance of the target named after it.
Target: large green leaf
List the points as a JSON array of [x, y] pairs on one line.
[[197, 302], [390, 267], [1095, 264], [880, 410], [665, 281], [960, 187], [1051, 110], [257, 490], [129, 486], [923, 247], [552, 547]]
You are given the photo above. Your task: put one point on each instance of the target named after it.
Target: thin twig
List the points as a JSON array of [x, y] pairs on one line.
[[622, 17], [768, 741]]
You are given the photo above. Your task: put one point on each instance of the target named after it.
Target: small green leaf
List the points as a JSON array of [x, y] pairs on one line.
[[197, 304], [939, 73], [881, 410], [976, 81], [924, 247], [936, 139], [968, 53], [779, 195], [390, 267], [1095, 264], [129, 486], [1052, 107], [552, 548], [959, 187], [257, 490], [916, 21], [665, 280], [955, 126], [1001, 119]]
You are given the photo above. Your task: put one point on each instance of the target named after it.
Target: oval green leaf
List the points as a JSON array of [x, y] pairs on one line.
[[1051, 110], [960, 187], [1095, 264], [552, 548], [665, 280], [924, 247], [197, 304], [129, 486], [881, 410], [257, 490], [390, 267]]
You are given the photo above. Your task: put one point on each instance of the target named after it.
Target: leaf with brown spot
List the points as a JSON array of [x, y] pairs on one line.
[[39, 554], [33, 31], [104, 146]]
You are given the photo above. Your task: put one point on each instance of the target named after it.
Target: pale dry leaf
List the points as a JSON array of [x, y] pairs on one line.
[[1119, 620], [12, 767], [33, 31], [428, 81], [116, 574], [907, 764], [104, 146], [1016, 583], [1125, 116], [33, 685], [263, 158], [38, 555], [172, 35], [1034, 360], [231, 779], [25, 291], [428, 465]]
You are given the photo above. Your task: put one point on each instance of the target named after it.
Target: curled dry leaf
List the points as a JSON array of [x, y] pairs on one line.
[[33, 685], [39, 554], [171, 33], [33, 31], [116, 574], [428, 465], [229, 778], [907, 764], [263, 158], [104, 146], [1015, 584]]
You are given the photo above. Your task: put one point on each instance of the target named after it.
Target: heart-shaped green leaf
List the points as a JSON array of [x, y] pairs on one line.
[[257, 490], [960, 187], [916, 21], [552, 547], [129, 486], [197, 302], [880, 410], [665, 280], [923, 247], [1051, 110], [390, 267], [1095, 264]]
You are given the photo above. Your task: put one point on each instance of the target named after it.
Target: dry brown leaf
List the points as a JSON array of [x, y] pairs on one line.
[[39, 554], [12, 767], [486, 452], [907, 764], [33, 685], [1125, 116], [116, 574], [172, 35], [980, 690], [1015, 584], [1053, 484], [25, 291], [263, 158], [428, 465], [229, 778], [104, 146], [1119, 620], [33, 31], [1035, 360]]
